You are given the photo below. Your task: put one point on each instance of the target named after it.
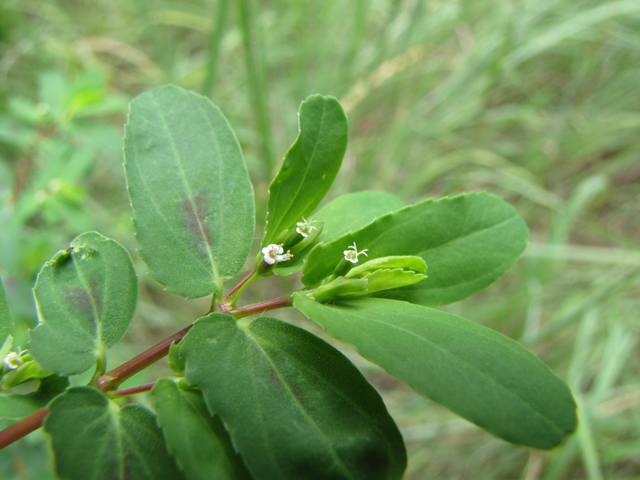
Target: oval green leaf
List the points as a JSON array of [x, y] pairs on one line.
[[294, 406], [190, 191], [6, 324], [309, 168], [94, 439], [197, 439], [474, 371], [346, 213], [468, 242], [85, 296]]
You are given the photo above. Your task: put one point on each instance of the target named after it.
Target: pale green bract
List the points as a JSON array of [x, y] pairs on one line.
[[190, 191]]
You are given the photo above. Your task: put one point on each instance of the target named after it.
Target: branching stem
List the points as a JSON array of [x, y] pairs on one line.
[[262, 307], [131, 391], [110, 380]]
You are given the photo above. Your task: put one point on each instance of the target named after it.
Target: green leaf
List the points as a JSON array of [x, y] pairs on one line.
[[294, 406], [477, 372], [15, 407], [468, 242], [353, 211], [93, 439], [6, 324], [197, 439], [86, 297], [309, 168], [189, 189]]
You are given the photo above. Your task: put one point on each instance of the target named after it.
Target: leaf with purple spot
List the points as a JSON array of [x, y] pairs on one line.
[[85, 296]]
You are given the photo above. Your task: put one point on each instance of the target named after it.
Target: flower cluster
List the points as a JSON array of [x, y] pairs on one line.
[[274, 253]]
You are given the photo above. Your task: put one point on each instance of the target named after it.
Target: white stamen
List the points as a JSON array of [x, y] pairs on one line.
[[274, 253]]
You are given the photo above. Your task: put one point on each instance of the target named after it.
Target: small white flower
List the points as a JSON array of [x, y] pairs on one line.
[[352, 255], [13, 360], [274, 253], [305, 228]]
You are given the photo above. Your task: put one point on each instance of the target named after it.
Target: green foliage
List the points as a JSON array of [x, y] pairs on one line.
[[267, 399], [309, 168], [86, 296], [93, 439], [49, 147], [189, 189], [196, 438], [478, 373], [294, 406], [531, 101], [468, 242]]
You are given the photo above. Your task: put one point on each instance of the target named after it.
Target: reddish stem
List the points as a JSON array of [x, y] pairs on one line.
[[235, 289], [115, 377], [110, 380], [262, 307], [131, 391], [22, 428]]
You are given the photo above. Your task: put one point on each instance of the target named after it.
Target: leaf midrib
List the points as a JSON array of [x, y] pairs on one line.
[[185, 183], [450, 354], [319, 431]]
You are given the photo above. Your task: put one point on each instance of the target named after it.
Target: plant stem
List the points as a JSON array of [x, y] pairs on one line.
[[115, 377], [214, 48], [22, 428], [131, 391], [236, 291], [255, 72], [110, 380], [262, 307]]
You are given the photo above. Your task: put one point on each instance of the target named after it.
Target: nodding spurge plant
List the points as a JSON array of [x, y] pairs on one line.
[[262, 398]]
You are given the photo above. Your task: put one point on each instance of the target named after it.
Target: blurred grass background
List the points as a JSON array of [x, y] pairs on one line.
[[537, 101]]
